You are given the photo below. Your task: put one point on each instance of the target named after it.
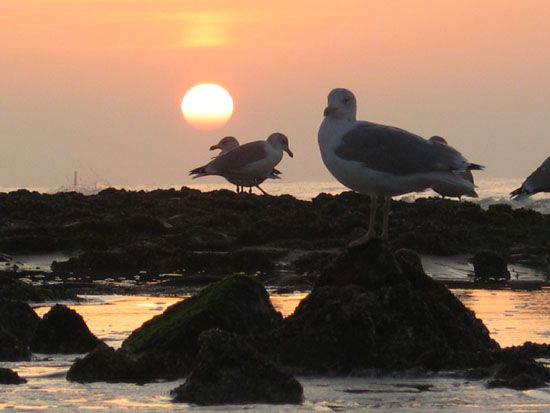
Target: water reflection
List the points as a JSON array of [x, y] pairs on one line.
[[512, 317]]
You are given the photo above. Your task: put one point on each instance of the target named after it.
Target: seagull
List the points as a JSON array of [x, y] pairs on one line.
[[538, 181], [452, 191], [228, 143], [249, 164], [379, 160]]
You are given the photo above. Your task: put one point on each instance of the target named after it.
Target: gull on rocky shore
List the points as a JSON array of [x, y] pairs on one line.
[[538, 181], [247, 165], [383, 161]]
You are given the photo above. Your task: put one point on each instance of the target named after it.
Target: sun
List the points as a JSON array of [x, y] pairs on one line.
[[207, 106]]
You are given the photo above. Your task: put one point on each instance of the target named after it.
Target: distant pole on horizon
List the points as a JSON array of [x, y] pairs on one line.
[[75, 180]]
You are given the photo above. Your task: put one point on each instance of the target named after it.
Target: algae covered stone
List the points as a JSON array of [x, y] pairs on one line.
[[238, 304]]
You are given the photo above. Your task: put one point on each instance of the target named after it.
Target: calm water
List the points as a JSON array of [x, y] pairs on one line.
[[512, 317]]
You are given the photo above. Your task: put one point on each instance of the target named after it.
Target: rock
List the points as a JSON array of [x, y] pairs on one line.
[[11, 288], [63, 330], [238, 304], [530, 350], [489, 265], [105, 364], [19, 319], [520, 374], [8, 376], [371, 309], [11, 348], [230, 371]]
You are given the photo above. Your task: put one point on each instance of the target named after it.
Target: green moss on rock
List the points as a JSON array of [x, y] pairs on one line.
[[238, 304]]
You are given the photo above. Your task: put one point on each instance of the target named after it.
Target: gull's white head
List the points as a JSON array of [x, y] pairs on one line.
[[341, 104], [226, 144], [280, 141]]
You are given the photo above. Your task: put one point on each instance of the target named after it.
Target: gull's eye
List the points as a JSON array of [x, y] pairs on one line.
[[346, 101]]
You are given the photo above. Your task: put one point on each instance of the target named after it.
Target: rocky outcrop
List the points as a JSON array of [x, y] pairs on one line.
[[14, 289], [151, 227], [63, 330], [230, 371], [105, 364], [19, 319], [8, 376], [166, 345], [375, 309], [489, 265], [11, 348], [520, 373]]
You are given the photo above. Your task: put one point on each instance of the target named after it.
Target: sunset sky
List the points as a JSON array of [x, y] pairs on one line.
[[96, 85]]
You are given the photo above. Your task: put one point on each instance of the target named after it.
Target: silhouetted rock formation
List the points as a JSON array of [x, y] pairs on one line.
[[489, 265], [230, 371], [63, 330], [166, 345], [19, 319], [11, 348], [8, 376], [118, 231], [374, 309], [105, 364]]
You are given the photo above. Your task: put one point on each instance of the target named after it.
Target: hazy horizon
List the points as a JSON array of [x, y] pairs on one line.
[[96, 86]]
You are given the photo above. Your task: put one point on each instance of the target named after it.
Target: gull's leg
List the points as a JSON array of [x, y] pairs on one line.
[[263, 192], [371, 233], [386, 217]]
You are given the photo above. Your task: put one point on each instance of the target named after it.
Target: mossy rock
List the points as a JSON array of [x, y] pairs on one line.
[[238, 304]]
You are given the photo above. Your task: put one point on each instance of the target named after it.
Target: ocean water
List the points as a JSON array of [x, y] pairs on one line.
[[112, 318]]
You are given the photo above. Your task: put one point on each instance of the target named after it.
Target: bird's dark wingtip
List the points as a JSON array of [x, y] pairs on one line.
[[476, 167]]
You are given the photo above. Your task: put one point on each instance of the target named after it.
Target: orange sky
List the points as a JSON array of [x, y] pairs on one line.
[[97, 84]]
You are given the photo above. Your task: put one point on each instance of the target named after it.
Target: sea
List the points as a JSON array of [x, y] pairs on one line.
[[512, 315]]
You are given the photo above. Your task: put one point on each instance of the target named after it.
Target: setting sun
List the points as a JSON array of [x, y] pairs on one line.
[[207, 106]]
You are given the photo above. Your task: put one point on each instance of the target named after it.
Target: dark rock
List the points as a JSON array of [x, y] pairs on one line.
[[230, 371], [14, 289], [8, 376], [63, 330], [11, 348], [520, 374], [530, 350], [105, 364], [372, 309], [489, 265], [19, 319], [237, 304]]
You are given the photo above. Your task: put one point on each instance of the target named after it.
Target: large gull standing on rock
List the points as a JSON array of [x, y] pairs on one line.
[[453, 191], [249, 164], [538, 181], [379, 160], [228, 143]]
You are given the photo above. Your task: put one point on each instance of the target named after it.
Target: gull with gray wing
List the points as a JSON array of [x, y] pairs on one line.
[[228, 143], [538, 181], [249, 164], [383, 161]]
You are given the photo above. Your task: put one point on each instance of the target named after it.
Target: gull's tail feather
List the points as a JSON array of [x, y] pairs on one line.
[[475, 167], [198, 172], [520, 194]]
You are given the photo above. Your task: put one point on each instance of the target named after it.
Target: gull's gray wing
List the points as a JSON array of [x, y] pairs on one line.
[[238, 158], [539, 180], [393, 150]]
